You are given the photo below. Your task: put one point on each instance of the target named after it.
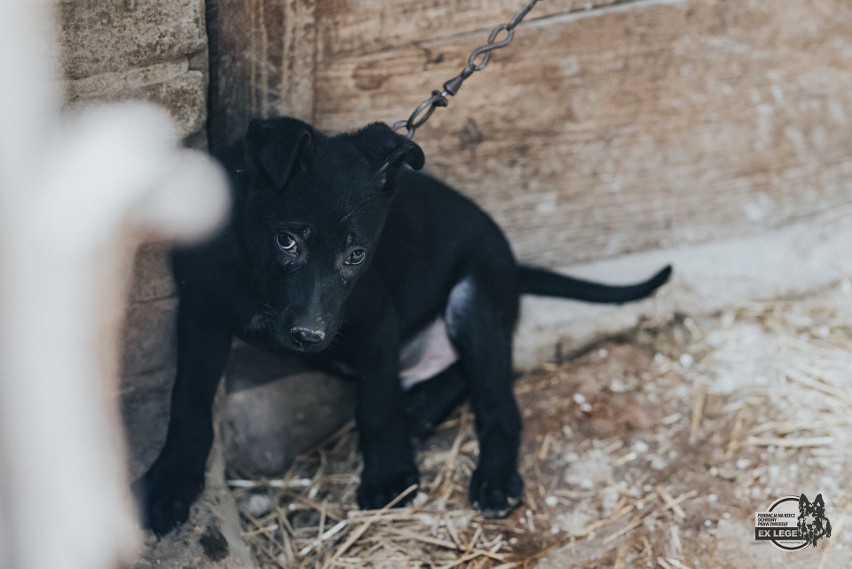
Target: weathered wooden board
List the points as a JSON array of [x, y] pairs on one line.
[[628, 128], [262, 62], [347, 27]]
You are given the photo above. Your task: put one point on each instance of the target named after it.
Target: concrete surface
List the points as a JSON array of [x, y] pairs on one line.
[[100, 37], [779, 263]]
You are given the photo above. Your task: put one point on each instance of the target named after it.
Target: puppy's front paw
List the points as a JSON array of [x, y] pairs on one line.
[[378, 489], [164, 503], [495, 496]]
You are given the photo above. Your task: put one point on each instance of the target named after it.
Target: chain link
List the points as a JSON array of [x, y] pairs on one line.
[[477, 61]]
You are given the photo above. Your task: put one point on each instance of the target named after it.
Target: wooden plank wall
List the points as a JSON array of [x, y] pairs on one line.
[[629, 126], [262, 55]]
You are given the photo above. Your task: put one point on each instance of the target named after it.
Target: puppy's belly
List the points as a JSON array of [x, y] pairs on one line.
[[426, 354]]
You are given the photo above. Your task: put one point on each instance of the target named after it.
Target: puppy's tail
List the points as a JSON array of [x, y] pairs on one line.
[[547, 283]]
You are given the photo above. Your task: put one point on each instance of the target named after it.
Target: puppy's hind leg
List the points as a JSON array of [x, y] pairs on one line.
[[480, 318], [429, 402]]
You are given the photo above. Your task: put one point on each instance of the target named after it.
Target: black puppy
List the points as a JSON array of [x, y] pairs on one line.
[[338, 252]]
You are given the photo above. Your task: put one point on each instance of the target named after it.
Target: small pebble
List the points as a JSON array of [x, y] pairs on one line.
[[551, 501], [579, 398], [256, 505], [672, 419], [686, 360]]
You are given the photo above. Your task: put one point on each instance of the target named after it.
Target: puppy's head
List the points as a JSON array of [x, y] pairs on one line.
[[311, 215]]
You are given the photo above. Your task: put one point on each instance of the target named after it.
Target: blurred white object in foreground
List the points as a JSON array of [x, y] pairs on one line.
[[76, 198]]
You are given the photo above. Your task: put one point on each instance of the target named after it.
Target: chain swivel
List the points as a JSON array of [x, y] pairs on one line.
[[477, 61]]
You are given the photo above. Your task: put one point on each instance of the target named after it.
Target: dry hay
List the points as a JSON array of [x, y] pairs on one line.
[[313, 521], [653, 452]]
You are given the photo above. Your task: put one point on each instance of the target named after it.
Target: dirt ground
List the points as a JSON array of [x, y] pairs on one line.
[[652, 450]]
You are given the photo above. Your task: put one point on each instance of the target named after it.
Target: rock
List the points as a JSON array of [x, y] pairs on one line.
[[183, 96], [149, 335], [211, 538], [277, 408], [152, 275], [99, 37], [255, 505]]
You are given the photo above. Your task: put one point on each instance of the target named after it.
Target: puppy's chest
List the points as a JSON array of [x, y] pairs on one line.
[[423, 355]]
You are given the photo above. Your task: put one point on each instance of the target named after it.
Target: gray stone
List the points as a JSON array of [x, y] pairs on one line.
[[98, 36], [113, 84], [256, 505], [145, 413], [277, 408], [210, 539], [183, 96], [149, 336], [152, 276]]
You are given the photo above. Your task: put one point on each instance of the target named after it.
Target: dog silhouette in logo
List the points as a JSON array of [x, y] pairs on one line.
[[812, 521]]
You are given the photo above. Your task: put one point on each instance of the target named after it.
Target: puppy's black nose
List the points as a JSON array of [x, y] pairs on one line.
[[305, 337]]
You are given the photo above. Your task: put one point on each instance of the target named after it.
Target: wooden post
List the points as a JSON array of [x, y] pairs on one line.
[[262, 56]]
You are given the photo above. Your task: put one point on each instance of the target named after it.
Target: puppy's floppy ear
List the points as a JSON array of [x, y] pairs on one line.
[[275, 148], [386, 150]]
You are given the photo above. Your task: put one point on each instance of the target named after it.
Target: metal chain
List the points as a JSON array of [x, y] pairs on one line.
[[477, 61]]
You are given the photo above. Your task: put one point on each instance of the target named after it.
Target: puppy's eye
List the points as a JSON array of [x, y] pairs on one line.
[[356, 257], [287, 243]]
